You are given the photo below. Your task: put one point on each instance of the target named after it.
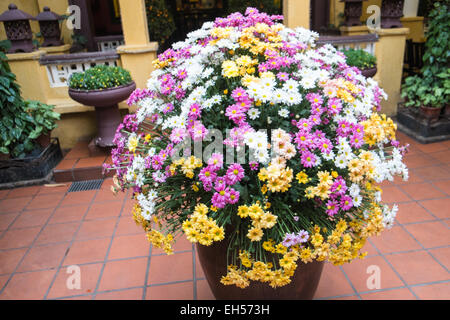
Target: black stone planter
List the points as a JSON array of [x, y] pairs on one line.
[[106, 109], [415, 125], [31, 168]]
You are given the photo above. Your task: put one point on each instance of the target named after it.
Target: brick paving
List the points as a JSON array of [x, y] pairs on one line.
[[46, 230]]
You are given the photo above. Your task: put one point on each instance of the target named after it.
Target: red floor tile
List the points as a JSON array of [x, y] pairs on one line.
[[430, 234], [412, 178], [96, 229], [131, 294], [417, 267], [442, 156], [90, 162], [198, 268], [87, 251], [443, 255], [394, 194], [6, 220], [89, 275], [3, 280], [35, 218], [58, 233], [10, 259], [419, 160], [432, 173], [395, 294], [69, 214], [177, 291], [412, 212], [77, 198], [422, 191], [28, 286], [14, 205], [104, 210], [23, 192], [129, 247], [362, 274], [54, 188], [204, 291], [18, 238], [432, 147], [438, 207], [45, 201], [332, 283], [438, 291], [107, 195], [127, 226], [177, 267], [43, 257], [4, 193], [395, 240], [443, 186], [123, 274], [66, 164]]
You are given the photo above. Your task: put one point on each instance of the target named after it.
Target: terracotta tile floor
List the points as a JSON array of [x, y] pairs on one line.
[[44, 231]]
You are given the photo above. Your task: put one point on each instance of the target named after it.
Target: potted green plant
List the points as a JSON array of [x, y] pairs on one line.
[[363, 60], [15, 124], [103, 87], [44, 119], [430, 90]]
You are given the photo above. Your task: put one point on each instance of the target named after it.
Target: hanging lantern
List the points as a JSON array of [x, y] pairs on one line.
[[391, 12], [50, 30], [353, 12], [18, 29]]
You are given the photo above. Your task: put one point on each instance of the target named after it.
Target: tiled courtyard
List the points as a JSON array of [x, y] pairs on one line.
[[44, 230]]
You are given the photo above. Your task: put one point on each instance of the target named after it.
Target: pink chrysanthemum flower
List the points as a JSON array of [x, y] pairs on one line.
[[234, 174]]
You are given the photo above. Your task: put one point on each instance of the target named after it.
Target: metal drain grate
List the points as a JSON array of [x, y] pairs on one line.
[[85, 185]]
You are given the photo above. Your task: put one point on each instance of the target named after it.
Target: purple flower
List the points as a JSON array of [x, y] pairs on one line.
[[216, 161], [302, 236], [233, 196], [178, 134], [346, 203], [332, 208], [308, 159], [195, 111], [157, 162], [234, 174], [254, 166]]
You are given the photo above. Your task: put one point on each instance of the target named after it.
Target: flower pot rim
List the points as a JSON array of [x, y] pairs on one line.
[[103, 90]]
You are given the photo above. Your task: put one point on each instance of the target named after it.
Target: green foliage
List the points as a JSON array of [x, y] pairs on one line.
[[100, 78], [44, 118], [21, 122], [432, 87], [267, 6], [161, 24], [360, 58]]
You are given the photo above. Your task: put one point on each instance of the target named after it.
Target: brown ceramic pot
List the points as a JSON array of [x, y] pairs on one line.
[[431, 114], [369, 73], [106, 109], [214, 263]]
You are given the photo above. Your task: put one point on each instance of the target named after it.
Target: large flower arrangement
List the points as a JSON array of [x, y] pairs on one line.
[[307, 126]]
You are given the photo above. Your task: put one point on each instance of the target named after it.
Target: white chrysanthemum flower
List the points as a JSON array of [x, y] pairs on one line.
[[253, 113]]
